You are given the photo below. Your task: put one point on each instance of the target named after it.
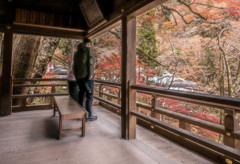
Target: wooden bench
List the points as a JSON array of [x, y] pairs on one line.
[[69, 109]]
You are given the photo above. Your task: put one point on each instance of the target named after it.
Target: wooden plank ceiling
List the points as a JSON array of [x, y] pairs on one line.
[[59, 9], [40, 16]]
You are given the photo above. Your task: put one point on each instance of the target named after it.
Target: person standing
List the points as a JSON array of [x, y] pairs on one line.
[[84, 72]]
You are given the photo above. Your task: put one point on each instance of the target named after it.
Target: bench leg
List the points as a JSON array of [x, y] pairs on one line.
[[60, 128], [83, 126]]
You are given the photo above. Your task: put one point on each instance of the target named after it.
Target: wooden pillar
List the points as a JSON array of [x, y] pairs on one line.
[[128, 74], [6, 85], [231, 125]]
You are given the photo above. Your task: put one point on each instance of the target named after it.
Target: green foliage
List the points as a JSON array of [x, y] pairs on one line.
[[147, 41], [208, 60], [65, 45]]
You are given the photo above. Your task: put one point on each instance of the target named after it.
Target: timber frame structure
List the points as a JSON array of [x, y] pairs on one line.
[[59, 18]]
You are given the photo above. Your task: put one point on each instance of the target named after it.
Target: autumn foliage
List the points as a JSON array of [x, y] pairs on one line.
[[196, 40]]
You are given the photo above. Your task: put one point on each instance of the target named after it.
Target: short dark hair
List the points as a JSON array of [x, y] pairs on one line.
[[86, 40]]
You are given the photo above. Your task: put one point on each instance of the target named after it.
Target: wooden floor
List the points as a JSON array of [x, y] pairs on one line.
[[30, 138]]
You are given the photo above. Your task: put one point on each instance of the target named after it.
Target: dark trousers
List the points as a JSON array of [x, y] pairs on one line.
[[86, 88], [73, 89]]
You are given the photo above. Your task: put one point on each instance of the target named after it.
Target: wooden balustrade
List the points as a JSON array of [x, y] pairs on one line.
[[230, 130], [115, 107], [23, 106]]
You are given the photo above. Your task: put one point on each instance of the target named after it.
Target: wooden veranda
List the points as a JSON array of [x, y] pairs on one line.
[[30, 137], [15, 18]]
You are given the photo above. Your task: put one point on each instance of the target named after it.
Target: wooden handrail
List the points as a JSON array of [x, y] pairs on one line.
[[221, 102], [192, 120], [228, 151], [37, 95], [108, 102], [221, 152], [109, 83], [23, 97], [38, 85], [37, 79], [110, 95], [143, 105]]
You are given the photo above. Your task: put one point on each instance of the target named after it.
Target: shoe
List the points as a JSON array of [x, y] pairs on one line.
[[91, 118]]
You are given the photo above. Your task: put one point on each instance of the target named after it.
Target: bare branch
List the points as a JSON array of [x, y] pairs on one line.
[[171, 9], [194, 12]]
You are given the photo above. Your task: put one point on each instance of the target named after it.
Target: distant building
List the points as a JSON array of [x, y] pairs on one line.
[[177, 82], [58, 70]]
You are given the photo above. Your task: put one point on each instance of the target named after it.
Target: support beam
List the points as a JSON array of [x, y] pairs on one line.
[[128, 72], [51, 31], [6, 85]]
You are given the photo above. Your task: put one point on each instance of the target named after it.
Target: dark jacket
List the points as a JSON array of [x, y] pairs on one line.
[[83, 63]]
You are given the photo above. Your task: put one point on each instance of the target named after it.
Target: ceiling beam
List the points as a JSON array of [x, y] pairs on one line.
[[43, 30]]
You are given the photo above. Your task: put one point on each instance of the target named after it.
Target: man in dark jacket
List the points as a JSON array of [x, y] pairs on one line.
[[83, 66]]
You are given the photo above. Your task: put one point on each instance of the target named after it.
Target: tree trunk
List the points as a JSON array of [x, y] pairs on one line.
[[46, 51], [25, 51]]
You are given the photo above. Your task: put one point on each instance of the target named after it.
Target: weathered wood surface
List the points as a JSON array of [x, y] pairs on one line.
[[38, 95], [109, 83], [229, 153], [6, 85], [197, 98], [36, 79], [30, 137], [108, 102], [128, 77], [69, 109], [24, 28]]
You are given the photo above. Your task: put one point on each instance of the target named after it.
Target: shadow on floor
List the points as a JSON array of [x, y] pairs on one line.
[[51, 128]]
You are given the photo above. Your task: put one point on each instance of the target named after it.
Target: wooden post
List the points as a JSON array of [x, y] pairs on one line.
[[184, 125], [128, 73], [53, 90], [23, 103], [6, 85], [100, 93], [154, 106], [119, 96], [231, 123]]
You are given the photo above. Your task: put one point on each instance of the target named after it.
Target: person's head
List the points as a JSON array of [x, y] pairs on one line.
[[86, 40]]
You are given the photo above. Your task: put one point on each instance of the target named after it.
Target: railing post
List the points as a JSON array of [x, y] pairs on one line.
[[231, 123], [132, 106], [100, 93], [184, 125], [119, 96], [53, 90], [154, 105], [23, 103]]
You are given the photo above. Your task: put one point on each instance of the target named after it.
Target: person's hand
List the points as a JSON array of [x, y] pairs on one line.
[[90, 78]]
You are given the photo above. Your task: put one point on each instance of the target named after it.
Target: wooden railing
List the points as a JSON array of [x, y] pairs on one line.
[[26, 83], [107, 103], [227, 153]]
